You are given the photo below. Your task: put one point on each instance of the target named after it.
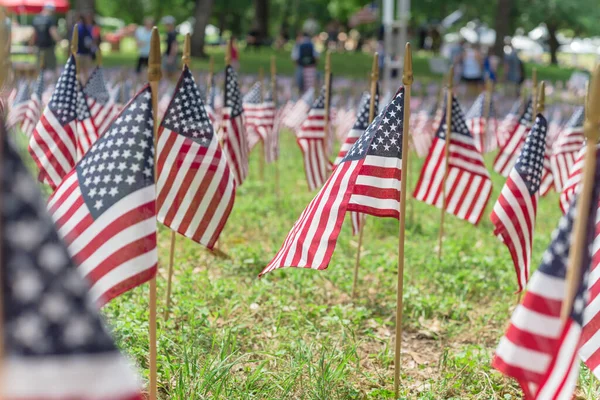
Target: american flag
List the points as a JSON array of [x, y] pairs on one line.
[[53, 144], [297, 114], [196, 189], [565, 150], [468, 183], [235, 141], [515, 211], [211, 95], [508, 124], [483, 127], [269, 127], [572, 185], [367, 180], [253, 114], [508, 153], [34, 107], [422, 134], [19, 106], [539, 348], [101, 103], [87, 132], [312, 140], [105, 208], [55, 343]]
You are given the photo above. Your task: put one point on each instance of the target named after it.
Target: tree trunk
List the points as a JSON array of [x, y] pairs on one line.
[[85, 6], [261, 14], [202, 15], [502, 25], [553, 44]]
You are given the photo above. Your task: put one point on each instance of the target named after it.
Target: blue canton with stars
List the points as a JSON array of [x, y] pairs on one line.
[[63, 102], [530, 163], [47, 308], [122, 160], [83, 110], [319, 102], [233, 97], [555, 259], [362, 119], [459, 125], [383, 138], [253, 95], [95, 87], [186, 114]]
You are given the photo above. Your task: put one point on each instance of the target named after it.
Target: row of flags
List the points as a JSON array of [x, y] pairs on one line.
[[107, 198]]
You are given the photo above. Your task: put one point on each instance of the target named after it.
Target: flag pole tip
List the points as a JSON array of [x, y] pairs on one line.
[[592, 112], [541, 105], [154, 70], [186, 58], [75, 39], [407, 76]]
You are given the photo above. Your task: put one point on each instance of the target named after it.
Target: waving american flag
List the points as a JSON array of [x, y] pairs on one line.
[[539, 348], [253, 114], [101, 103], [87, 132], [312, 140], [19, 106], [34, 106], [105, 207], [55, 345], [508, 124], [270, 126], [196, 189], [367, 180], [515, 211], [53, 141], [482, 126], [565, 149], [468, 184], [507, 156], [235, 140]]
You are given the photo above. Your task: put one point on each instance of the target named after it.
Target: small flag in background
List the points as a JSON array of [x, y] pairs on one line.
[[34, 107], [565, 149], [508, 124], [468, 183], [515, 211], [424, 131], [253, 112], [105, 208], [483, 127], [297, 114], [269, 127], [55, 343], [507, 156], [19, 106], [367, 180], [87, 133], [196, 189], [235, 140], [572, 185], [312, 140], [211, 95], [53, 144], [101, 103], [540, 349]]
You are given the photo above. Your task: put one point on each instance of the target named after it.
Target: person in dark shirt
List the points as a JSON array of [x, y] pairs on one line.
[[306, 56], [45, 37], [85, 45], [170, 60]]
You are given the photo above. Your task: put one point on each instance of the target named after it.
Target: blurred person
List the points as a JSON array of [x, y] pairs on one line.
[[471, 63], [170, 60], [514, 69], [235, 55], [490, 65], [96, 37], [143, 37], [85, 44], [45, 38], [306, 57]]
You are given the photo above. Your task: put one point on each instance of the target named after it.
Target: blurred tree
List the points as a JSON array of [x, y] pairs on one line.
[[261, 18], [579, 16], [202, 15], [502, 26], [85, 5]]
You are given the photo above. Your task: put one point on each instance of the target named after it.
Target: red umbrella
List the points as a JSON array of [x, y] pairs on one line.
[[33, 6]]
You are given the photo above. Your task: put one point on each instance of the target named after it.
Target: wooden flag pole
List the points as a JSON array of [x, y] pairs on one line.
[[328, 98], [591, 129], [186, 59], [274, 97], [407, 80], [154, 76], [534, 89], [446, 156], [373, 89], [211, 74], [261, 78]]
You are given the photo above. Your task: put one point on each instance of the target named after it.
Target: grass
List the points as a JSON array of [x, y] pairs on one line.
[[298, 334], [348, 64]]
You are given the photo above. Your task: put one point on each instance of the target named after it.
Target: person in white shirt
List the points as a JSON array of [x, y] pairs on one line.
[[143, 36]]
